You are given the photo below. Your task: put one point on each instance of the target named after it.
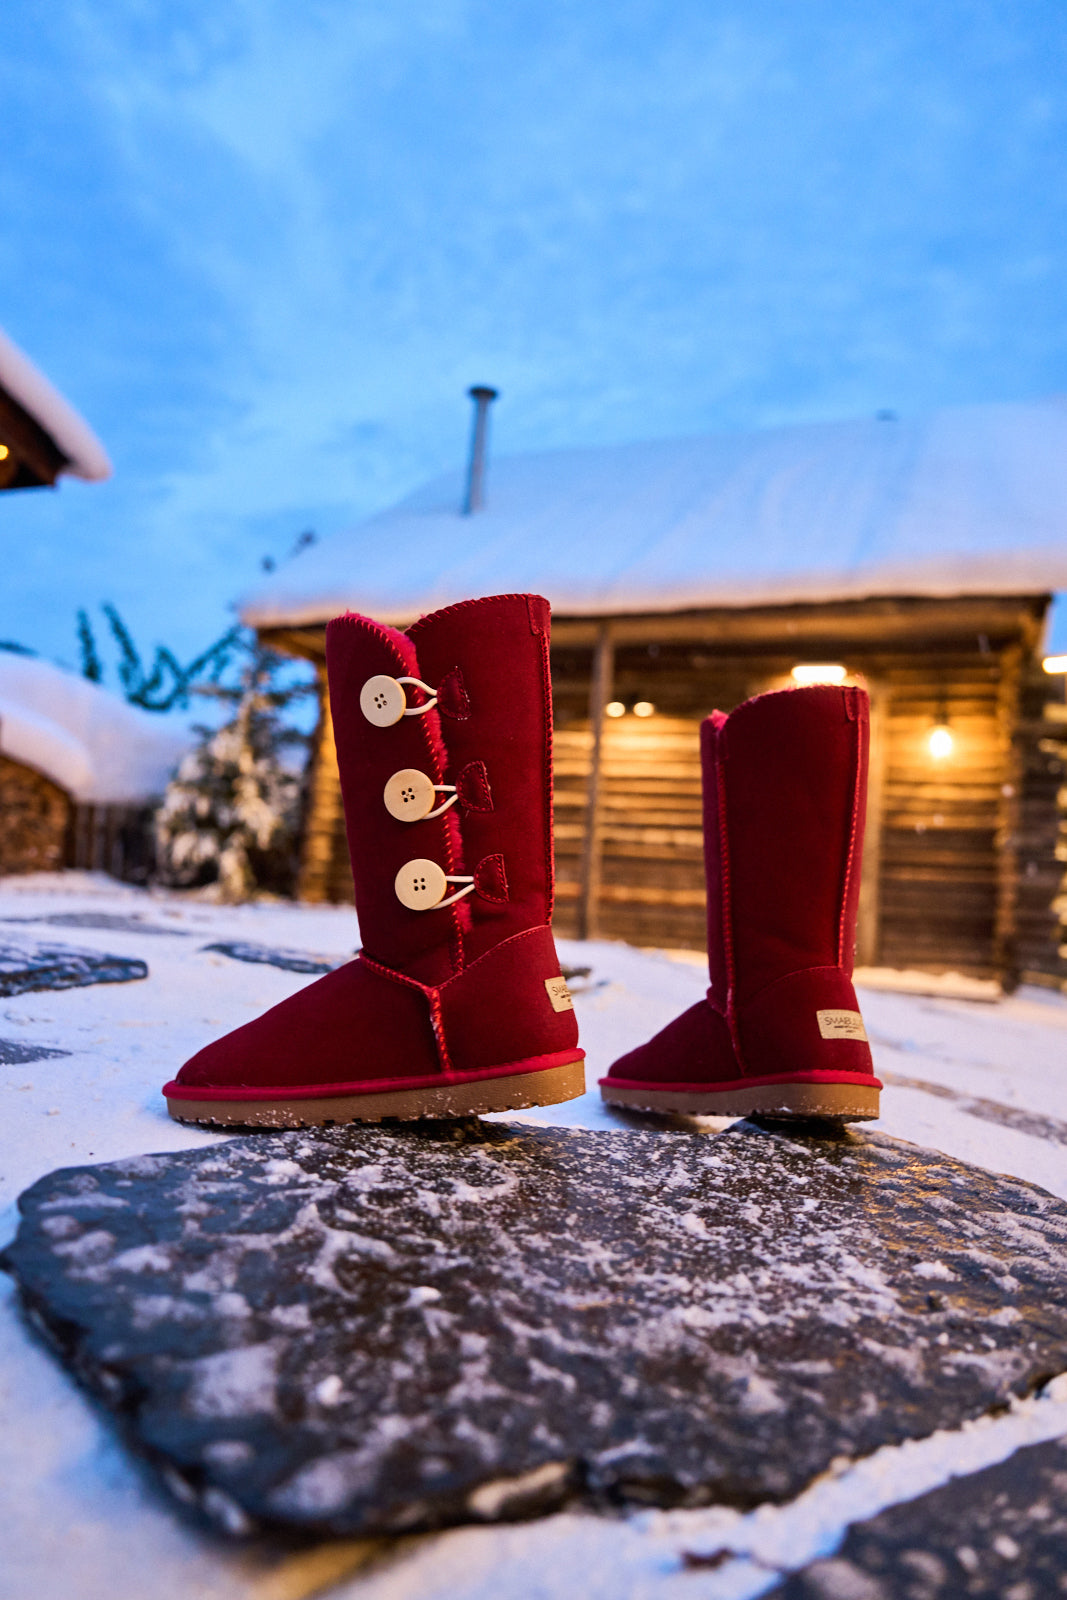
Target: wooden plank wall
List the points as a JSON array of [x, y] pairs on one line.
[[964, 867], [943, 870], [1041, 885]]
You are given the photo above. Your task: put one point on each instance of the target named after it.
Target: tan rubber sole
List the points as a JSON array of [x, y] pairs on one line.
[[546, 1088], [844, 1102]]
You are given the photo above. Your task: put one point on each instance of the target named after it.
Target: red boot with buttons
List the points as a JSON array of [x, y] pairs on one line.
[[456, 1003], [780, 1033]]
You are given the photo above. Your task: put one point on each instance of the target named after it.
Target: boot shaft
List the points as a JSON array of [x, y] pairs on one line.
[[785, 795], [484, 746]]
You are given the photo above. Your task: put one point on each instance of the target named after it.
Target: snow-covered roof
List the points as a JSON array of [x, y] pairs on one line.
[[85, 454], [86, 740], [967, 500]]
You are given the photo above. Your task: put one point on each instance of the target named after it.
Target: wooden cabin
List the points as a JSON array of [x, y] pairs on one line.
[[80, 771], [961, 867], [41, 435]]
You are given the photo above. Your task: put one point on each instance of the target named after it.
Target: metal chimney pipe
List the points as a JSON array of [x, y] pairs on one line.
[[475, 496]]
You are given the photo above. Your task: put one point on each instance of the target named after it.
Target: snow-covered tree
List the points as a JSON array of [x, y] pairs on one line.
[[231, 813]]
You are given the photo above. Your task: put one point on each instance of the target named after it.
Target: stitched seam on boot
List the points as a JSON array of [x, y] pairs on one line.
[[464, 605], [458, 914], [851, 843], [525, 933], [433, 997], [727, 901], [750, 1000], [549, 846], [394, 977]]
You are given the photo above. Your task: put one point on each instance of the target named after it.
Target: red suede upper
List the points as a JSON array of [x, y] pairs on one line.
[[425, 945], [788, 773], [352, 1023], [501, 727], [451, 988], [785, 792]]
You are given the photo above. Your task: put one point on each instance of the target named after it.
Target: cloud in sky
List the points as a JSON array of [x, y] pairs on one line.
[[264, 245]]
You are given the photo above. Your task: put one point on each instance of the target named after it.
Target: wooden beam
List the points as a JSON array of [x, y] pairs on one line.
[[1005, 953], [599, 695], [917, 621]]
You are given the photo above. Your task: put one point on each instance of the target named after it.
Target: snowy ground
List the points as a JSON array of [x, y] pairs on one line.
[[985, 1082]]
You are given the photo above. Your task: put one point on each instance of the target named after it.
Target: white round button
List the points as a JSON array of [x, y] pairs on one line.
[[409, 795], [382, 701], [420, 885]]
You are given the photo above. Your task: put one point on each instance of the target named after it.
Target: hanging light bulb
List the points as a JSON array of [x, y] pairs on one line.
[[941, 741], [614, 708]]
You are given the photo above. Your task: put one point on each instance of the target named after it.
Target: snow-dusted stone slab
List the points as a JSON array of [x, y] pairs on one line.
[[108, 921], [24, 967], [368, 1329], [14, 1053], [288, 960], [1000, 1532]]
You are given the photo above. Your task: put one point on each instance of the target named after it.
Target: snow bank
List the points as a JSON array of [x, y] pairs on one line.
[[33, 392], [86, 740], [967, 500]]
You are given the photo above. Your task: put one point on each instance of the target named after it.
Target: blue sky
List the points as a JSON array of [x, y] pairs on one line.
[[264, 246]]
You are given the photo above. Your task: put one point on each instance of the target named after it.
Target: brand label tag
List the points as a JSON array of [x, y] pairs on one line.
[[841, 1025], [559, 994]]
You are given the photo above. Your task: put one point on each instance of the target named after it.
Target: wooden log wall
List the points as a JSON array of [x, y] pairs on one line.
[[1041, 882], [113, 838], [960, 868], [34, 818]]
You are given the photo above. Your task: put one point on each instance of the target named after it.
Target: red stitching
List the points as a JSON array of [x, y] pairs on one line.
[[550, 850], [851, 845], [491, 863], [462, 605], [524, 933], [437, 1022], [724, 891], [393, 976], [459, 913]]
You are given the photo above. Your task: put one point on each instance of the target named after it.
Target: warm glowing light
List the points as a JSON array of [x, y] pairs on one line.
[[4, 452], [941, 742], [644, 708], [615, 708], [1055, 663], [820, 672]]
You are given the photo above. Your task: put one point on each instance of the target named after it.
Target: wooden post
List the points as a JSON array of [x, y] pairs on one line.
[[1005, 941], [599, 695], [869, 917]]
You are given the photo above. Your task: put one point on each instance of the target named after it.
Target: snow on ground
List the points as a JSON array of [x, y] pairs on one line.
[[984, 1082]]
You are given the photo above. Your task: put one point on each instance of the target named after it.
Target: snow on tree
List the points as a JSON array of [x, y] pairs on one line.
[[231, 813]]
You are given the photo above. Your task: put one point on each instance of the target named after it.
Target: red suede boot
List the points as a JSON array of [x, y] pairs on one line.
[[456, 1003], [780, 1033]]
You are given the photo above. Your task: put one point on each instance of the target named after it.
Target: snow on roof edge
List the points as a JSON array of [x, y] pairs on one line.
[[85, 454], [1036, 572]]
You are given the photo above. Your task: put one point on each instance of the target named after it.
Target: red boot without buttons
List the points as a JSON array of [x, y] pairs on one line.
[[456, 1003], [780, 1033]]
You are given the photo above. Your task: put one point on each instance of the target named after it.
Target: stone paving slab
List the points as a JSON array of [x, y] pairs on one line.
[[1000, 1532], [107, 921], [14, 1053], [366, 1330], [268, 955], [28, 967]]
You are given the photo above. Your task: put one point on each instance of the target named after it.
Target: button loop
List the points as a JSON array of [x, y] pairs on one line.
[[420, 886], [383, 702]]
